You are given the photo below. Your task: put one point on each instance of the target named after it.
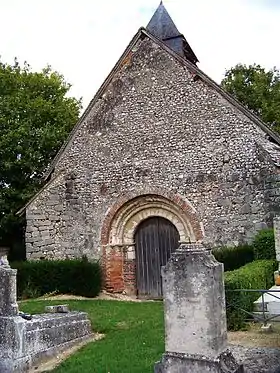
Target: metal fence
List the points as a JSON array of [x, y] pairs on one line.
[[262, 315]]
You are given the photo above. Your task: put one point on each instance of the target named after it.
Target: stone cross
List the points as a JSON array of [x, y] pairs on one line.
[[8, 293], [195, 314]]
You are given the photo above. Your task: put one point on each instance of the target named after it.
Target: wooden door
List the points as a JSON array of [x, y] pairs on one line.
[[155, 239]]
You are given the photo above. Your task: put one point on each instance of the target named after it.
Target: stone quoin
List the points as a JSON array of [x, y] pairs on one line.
[[159, 140]]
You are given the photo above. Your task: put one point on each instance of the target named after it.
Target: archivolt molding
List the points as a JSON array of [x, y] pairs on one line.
[[133, 212]]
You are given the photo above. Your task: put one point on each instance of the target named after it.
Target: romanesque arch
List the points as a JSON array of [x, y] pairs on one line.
[[124, 216], [121, 222]]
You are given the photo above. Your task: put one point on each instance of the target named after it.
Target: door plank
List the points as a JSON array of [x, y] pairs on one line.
[[155, 239]]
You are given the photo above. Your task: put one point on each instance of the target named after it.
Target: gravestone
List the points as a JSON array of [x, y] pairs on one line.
[[8, 294], [25, 342], [195, 314]]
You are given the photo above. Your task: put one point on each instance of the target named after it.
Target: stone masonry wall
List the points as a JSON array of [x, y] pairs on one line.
[[156, 127]]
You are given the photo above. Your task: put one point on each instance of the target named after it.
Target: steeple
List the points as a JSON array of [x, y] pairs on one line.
[[162, 27]]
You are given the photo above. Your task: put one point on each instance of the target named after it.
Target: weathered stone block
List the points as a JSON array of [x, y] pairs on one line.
[[35, 255], [23, 343], [36, 217], [63, 308], [54, 218], [45, 234], [48, 241], [43, 228], [38, 243], [195, 325], [183, 363], [28, 246], [50, 247], [30, 229], [8, 297], [45, 223], [191, 280], [59, 208]]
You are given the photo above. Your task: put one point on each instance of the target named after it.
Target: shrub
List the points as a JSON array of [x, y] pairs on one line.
[[77, 277], [256, 275], [234, 257], [264, 244]]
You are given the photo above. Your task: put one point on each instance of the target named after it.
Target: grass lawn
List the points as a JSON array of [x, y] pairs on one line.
[[134, 336]]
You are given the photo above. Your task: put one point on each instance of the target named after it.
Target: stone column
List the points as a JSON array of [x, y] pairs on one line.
[[8, 293], [195, 314], [119, 268]]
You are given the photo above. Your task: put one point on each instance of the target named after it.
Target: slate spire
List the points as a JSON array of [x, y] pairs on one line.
[[162, 27]]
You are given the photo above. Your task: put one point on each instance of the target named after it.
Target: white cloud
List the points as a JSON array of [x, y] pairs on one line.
[[84, 39]]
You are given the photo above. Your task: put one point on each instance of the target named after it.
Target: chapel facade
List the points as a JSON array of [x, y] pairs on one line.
[[162, 155]]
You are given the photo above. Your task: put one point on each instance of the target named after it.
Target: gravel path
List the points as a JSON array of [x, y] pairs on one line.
[[258, 360]]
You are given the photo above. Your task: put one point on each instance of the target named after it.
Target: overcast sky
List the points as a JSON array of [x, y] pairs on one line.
[[83, 39]]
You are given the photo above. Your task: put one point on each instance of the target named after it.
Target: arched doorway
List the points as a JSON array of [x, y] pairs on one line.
[[155, 239], [123, 223]]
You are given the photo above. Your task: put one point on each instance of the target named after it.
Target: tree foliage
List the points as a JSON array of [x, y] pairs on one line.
[[35, 117], [258, 89]]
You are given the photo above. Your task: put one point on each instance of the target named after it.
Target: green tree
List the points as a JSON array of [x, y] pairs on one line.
[[35, 117], [258, 89]]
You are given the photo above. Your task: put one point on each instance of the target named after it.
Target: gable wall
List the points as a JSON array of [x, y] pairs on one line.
[[155, 127]]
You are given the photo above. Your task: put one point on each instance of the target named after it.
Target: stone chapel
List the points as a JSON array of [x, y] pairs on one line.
[[161, 155]]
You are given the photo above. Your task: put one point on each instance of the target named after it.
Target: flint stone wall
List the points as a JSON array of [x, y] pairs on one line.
[[156, 127]]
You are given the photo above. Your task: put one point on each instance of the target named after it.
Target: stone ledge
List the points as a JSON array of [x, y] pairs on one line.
[[50, 320], [52, 351], [22, 343], [181, 363], [24, 364]]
